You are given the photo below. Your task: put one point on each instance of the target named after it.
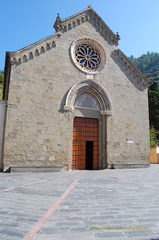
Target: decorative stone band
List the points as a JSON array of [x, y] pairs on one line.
[[134, 72], [88, 55], [88, 15], [28, 53]]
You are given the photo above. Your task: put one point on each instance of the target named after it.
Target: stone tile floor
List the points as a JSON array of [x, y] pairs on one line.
[[79, 205]]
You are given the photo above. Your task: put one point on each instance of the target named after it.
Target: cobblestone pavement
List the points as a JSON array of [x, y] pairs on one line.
[[80, 205]]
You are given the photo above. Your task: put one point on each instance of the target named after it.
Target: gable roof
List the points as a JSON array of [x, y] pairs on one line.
[[87, 15]]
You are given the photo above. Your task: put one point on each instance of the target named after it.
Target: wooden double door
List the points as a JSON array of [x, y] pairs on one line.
[[85, 143]]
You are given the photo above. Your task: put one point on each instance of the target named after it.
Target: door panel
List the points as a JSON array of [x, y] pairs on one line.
[[84, 130]]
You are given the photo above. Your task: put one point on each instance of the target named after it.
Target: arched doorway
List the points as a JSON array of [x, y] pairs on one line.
[[90, 107]]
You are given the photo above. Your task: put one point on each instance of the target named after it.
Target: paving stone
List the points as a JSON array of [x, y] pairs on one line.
[[110, 234], [11, 232], [47, 237], [144, 232], [79, 236], [123, 221], [143, 220]]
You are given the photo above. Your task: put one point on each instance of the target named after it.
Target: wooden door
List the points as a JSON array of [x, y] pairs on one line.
[[85, 143]]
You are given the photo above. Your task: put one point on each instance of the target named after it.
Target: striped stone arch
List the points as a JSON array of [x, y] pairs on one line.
[[93, 89]]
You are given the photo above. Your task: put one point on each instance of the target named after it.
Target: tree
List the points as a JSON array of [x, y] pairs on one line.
[[1, 77], [131, 57], [154, 137], [153, 94], [148, 64]]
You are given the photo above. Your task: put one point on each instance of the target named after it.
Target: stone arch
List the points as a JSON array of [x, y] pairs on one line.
[[37, 53], [48, 47], [25, 59], [53, 44], [98, 113], [19, 61], [31, 56], [78, 21], [42, 50], [93, 89], [14, 61]]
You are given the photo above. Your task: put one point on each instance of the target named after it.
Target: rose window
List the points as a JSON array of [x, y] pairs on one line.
[[88, 55]]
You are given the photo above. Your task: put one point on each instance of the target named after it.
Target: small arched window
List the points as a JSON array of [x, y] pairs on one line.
[[25, 59], [19, 61], [14, 61], [31, 56], [47, 47], [36, 53], [42, 50], [53, 44]]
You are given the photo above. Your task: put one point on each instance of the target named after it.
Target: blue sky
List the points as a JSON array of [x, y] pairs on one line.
[[23, 22]]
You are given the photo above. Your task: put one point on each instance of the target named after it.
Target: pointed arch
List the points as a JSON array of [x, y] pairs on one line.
[[31, 56], [48, 47], [14, 61], [25, 59], [19, 61], [42, 50], [93, 89], [37, 53], [53, 44]]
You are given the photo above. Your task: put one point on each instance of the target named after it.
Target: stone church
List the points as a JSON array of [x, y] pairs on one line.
[[74, 101]]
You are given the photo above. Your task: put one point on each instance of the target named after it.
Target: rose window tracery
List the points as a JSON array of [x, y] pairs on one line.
[[88, 55]]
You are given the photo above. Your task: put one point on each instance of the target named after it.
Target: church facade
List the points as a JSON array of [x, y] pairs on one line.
[[74, 101]]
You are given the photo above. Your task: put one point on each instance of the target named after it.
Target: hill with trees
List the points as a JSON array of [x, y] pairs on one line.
[[148, 64]]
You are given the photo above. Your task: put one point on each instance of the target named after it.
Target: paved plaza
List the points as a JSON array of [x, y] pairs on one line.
[[80, 205]]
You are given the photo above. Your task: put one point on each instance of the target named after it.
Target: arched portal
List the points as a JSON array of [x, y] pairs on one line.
[[90, 107]]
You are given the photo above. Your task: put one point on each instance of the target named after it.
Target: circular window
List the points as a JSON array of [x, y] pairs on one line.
[[88, 55]]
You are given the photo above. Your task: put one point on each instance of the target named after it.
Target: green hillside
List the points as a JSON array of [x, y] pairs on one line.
[[148, 64]]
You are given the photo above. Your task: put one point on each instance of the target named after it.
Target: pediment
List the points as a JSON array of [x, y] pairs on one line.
[[88, 15]]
